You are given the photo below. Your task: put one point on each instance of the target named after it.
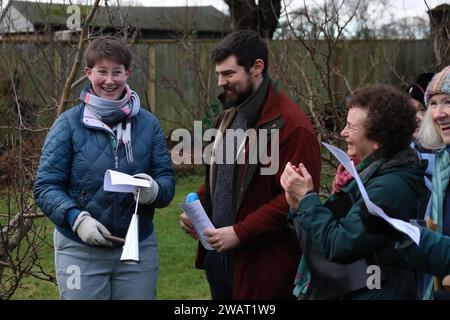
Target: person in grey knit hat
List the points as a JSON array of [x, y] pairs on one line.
[[434, 134]]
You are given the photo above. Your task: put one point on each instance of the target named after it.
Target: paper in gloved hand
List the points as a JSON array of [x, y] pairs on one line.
[[412, 231], [121, 182]]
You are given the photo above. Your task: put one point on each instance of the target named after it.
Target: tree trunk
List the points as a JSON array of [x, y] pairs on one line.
[[262, 17], [19, 227], [440, 32]]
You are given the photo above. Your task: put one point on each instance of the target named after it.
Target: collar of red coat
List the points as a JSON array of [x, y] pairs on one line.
[[271, 110]]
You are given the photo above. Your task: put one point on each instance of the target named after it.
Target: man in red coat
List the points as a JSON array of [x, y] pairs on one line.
[[255, 254]]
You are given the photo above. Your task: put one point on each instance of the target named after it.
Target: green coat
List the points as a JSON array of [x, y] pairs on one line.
[[432, 255], [397, 182]]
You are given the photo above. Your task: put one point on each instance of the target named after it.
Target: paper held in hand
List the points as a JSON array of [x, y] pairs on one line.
[[412, 231], [199, 219], [121, 182]]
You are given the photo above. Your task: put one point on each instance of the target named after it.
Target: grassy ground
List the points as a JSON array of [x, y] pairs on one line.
[[178, 279]]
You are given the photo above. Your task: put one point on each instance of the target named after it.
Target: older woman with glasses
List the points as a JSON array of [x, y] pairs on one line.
[[338, 253]]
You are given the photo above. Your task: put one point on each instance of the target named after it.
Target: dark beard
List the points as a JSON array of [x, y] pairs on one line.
[[239, 97]]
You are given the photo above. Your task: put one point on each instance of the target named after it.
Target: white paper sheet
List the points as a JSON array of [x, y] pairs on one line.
[[199, 219], [121, 182], [412, 231], [130, 253]]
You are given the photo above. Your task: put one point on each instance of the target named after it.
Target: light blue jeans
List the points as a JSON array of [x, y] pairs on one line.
[[96, 273]]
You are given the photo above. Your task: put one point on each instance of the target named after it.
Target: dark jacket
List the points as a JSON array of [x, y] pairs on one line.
[[268, 255], [397, 182], [77, 152], [432, 255]]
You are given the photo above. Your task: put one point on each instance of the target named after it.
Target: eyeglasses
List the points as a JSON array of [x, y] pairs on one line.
[[114, 74]]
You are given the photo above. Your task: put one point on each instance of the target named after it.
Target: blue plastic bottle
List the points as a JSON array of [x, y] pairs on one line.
[[191, 197]]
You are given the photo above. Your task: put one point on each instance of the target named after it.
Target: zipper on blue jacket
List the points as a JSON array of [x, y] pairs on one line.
[[115, 149]]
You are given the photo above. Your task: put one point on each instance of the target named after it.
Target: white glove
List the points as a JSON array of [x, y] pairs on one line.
[[147, 195], [90, 230]]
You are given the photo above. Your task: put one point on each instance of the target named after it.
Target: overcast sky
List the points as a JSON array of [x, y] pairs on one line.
[[401, 8]]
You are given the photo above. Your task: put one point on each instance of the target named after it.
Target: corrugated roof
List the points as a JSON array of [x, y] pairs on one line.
[[201, 18]]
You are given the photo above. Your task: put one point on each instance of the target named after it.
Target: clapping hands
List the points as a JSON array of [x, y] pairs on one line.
[[296, 182]]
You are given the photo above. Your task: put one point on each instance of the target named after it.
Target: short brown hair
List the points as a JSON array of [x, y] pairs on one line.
[[391, 118], [107, 47]]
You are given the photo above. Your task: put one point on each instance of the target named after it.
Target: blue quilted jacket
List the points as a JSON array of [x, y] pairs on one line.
[[77, 152]]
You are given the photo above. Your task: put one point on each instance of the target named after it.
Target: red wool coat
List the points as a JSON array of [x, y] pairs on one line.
[[267, 258]]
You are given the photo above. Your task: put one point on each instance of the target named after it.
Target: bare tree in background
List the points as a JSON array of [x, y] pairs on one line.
[[308, 67], [33, 92], [261, 16], [410, 28], [21, 237], [440, 30], [312, 65], [78, 57], [309, 64]]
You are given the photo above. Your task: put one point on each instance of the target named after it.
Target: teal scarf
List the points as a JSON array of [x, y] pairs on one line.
[[441, 177]]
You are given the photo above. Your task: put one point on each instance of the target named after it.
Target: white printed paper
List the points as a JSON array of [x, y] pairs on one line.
[[412, 231], [121, 182], [199, 219]]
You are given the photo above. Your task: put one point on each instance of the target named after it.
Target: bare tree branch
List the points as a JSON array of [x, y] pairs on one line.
[[78, 57]]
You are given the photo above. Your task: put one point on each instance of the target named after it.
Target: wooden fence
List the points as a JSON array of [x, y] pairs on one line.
[[176, 79]]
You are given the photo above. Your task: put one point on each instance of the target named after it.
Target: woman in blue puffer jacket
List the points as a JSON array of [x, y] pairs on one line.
[[108, 130]]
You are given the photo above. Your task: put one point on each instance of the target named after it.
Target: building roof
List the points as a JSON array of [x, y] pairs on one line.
[[200, 18]]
